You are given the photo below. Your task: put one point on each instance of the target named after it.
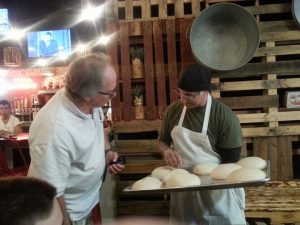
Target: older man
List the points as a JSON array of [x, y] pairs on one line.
[[68, 146]]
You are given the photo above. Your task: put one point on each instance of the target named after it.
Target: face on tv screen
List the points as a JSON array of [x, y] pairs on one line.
[[49, 43], [4, 23]]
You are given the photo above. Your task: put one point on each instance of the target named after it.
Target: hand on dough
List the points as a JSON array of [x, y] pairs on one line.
[[172, 158]]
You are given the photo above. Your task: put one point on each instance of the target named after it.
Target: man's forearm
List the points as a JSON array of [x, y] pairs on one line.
[[62, 204], [161, 146]]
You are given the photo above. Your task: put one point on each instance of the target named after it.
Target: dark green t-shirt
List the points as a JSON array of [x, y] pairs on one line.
[[224, 129]]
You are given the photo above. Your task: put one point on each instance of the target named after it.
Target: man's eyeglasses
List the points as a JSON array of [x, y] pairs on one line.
[[111, 95], [186, 95]]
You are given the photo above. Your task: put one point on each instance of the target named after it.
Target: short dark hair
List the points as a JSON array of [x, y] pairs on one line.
[[48, 33], [25, 200], [5, 102], [195, 78]]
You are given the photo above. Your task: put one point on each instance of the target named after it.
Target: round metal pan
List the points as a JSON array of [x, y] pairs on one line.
[[296, 11], [225, 36]]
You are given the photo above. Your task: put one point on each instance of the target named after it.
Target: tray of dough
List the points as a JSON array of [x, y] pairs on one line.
[[189, 181]]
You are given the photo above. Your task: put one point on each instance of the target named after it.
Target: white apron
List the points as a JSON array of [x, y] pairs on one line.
[[207, 207]]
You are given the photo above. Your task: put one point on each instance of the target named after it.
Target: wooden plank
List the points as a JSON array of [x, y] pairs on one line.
[[273, 157], [252, 102], [275, 26], [149, 73], [276, 218], [257, 69], [285, 159], [172, 61], [278, 50], [135, 28], [261, 147], [179, 13], [146, 10], [258, 84], [269, 9], [280, 36], [136, 146], [143, 208], [185, 47], [159, 66], [271, 77], [135, 126], [269, 117], [129, 9], [271, 131], [162, 9], [196, 8], [126, 73], [113, 53]]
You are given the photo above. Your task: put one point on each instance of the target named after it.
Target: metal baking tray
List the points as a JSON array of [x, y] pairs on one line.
[[207, 183]]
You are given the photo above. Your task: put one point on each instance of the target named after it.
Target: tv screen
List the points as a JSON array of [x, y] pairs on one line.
[[49, 43], [4, 22]]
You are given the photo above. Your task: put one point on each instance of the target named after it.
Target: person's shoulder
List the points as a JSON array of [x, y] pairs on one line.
[[175, 106], [218, 104]]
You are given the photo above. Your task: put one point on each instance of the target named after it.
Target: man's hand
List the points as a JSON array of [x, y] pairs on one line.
[[114, 168], [172, 158]]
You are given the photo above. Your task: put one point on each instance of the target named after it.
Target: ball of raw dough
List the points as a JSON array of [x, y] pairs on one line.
[[253, 162], [183, 180], [223, 170], [147, 183], [175, 171], [161, 171], [204, 168], [246, 174]]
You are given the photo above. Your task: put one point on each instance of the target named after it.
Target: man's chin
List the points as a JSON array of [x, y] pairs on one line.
[[189, 106]]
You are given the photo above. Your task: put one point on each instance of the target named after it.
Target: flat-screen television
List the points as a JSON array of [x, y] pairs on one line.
[[49, 43], [4, 22]]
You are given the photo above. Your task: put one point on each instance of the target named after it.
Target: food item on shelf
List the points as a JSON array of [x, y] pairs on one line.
[[161, 171], [246, 174], [252, 162], [204, 168], [147, 183], [183, 180], [222, 171], [175, 171]]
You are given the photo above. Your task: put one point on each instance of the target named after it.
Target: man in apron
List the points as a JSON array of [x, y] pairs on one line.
[[198, 129]]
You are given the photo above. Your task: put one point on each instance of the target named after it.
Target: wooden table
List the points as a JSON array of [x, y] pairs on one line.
[[18, 142]]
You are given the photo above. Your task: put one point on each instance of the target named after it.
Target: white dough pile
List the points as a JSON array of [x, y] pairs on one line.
[[252, 162], [183, 180], [147, 183], [246, 174], [222, 171], [175, 171], [204, 168], [161, 171]]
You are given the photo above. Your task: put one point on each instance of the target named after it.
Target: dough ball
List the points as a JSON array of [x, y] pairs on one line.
[[204, 168], [253, 162], [161, 171], [222, 171], [183, 180], [246, 174], [147, 183], [175, 171]]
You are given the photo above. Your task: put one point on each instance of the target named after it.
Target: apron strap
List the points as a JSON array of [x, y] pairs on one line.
[[207, 114], [182, 116]]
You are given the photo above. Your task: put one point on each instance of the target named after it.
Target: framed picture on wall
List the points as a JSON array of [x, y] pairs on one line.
[[12, 56]]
